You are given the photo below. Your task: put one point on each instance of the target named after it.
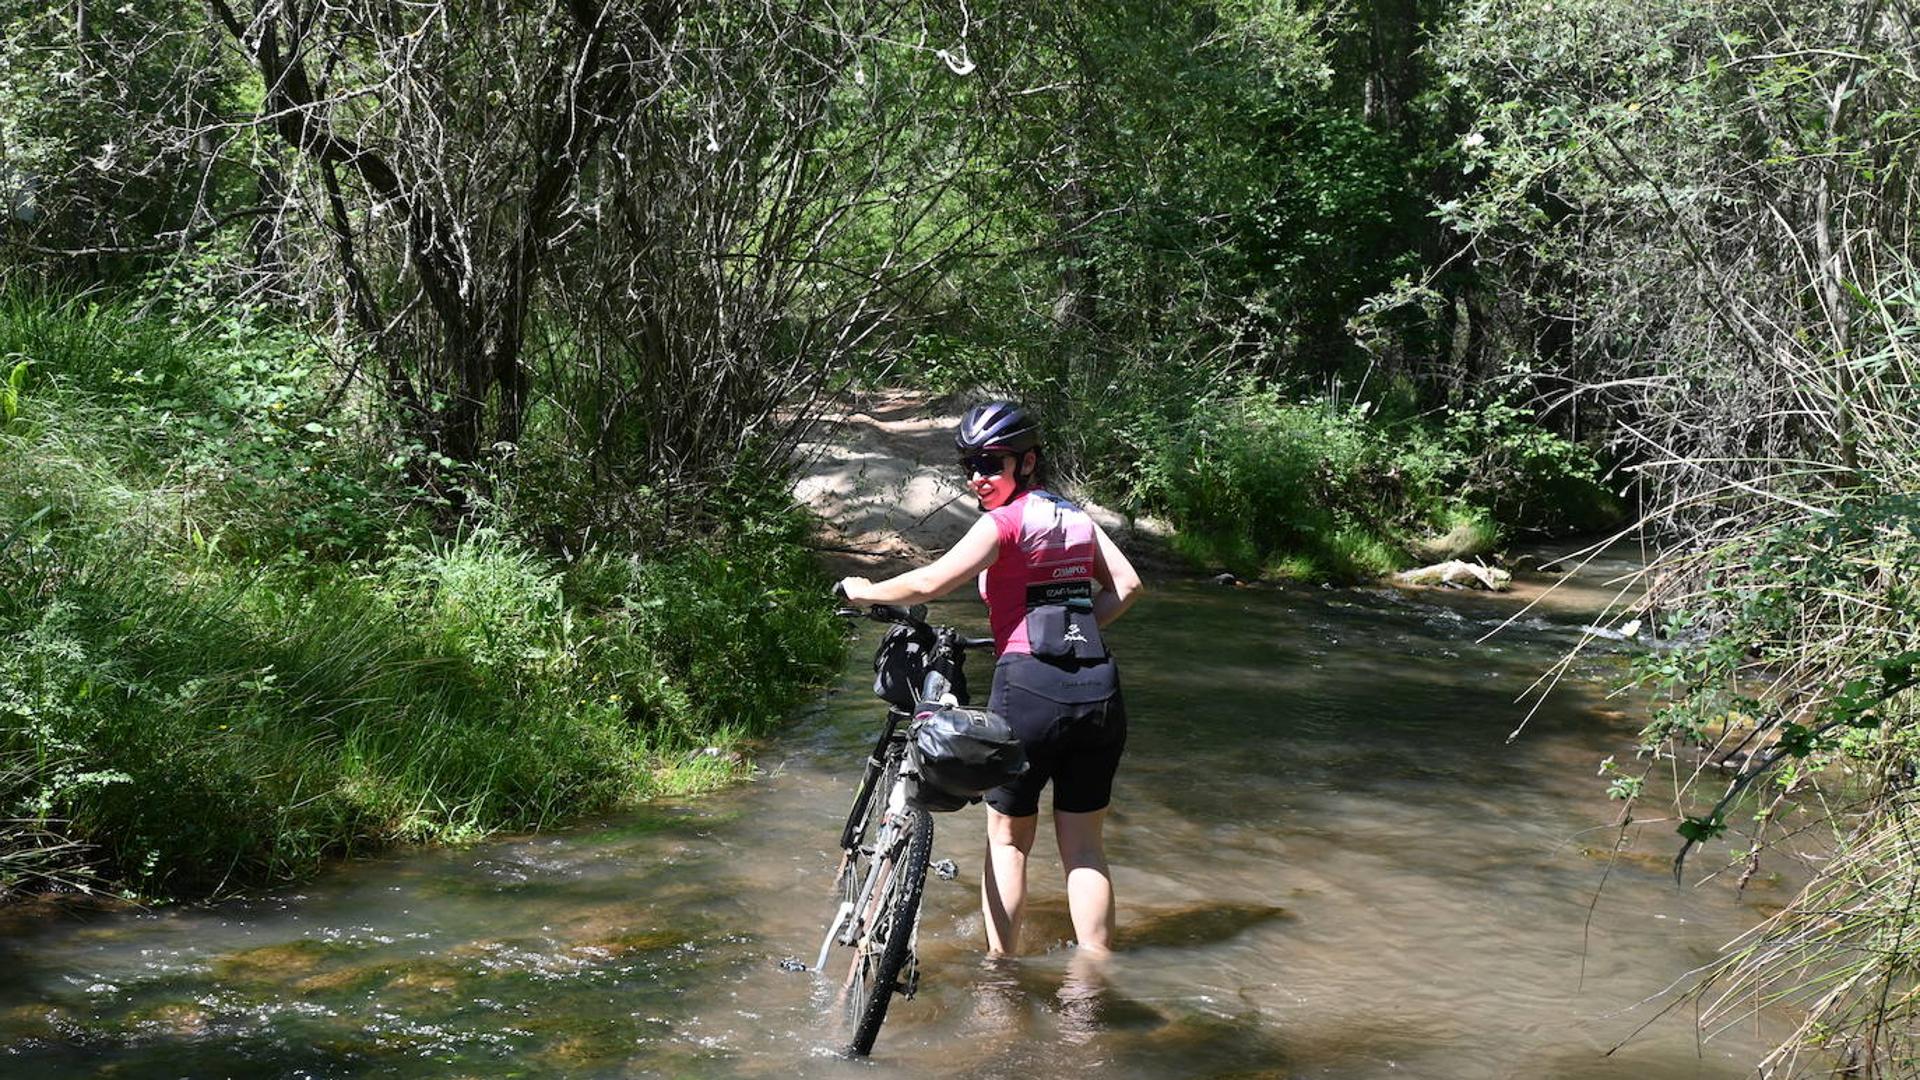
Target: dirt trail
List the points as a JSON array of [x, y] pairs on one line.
[[882, 480]]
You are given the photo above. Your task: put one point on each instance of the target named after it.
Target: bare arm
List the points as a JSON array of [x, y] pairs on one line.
[[975, 552], [1121, 584]]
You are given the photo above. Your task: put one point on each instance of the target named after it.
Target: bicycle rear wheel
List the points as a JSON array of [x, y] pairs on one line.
[[884, 951]]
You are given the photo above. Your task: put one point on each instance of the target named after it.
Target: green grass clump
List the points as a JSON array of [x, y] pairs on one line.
[[224, 728], [218, 668], [1264, 486]]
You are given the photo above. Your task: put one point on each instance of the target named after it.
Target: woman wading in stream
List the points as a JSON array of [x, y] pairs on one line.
[[1038, 558]]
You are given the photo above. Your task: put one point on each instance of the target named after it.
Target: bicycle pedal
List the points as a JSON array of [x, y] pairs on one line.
[[946, 870]]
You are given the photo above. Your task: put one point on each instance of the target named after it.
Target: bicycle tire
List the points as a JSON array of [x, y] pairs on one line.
[[883, 951]]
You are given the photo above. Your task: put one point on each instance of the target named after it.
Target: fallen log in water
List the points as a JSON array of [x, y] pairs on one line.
[[1457, 574]]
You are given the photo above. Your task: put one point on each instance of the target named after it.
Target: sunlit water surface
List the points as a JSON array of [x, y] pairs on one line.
[[1330, 861]]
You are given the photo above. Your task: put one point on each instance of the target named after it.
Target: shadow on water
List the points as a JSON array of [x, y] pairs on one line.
[[1195, 924], [1330, 862]]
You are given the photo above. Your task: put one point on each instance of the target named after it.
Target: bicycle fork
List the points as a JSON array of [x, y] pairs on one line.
[[850, 921]]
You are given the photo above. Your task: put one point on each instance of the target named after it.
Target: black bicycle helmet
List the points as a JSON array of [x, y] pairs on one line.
[[997, 425]]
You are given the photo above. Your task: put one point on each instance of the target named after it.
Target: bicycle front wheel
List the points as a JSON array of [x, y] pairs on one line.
[[885, 950]]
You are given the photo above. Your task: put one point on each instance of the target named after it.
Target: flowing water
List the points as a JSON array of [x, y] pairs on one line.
[[1330, 863]]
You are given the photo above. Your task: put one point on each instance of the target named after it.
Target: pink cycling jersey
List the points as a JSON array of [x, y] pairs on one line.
[[1044, 540]]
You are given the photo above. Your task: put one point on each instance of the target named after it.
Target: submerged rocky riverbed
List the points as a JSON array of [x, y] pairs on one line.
[[1330, 861]]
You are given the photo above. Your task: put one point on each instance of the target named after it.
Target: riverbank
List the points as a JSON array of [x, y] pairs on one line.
[[242, 639], [238, 639]]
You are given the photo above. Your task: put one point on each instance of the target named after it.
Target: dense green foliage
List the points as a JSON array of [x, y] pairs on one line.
[[1304, 486], [228, 648], [1218, 207], [1695, 223], [1314, 490], [436, 343]]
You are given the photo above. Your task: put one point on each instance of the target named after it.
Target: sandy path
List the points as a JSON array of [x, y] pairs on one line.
[[881, 477]]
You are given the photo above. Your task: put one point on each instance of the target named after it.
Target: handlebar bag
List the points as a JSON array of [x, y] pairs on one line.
[[965, 752], [925, 795], [900, 666]]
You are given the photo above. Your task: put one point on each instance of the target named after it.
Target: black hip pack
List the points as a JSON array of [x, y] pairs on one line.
[[1060, 622]]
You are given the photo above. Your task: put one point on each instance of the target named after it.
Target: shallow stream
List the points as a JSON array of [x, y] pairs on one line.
[[1330, 863]]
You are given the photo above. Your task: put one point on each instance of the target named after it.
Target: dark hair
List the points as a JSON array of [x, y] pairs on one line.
[[1038, 478]]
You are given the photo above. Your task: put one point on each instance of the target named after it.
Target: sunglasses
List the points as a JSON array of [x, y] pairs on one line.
[[983, 464]]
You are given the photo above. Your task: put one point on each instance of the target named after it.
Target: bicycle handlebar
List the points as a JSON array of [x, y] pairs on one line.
[[901, 616]]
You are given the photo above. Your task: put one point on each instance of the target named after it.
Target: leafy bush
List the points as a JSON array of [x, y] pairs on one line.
[[1795, 649], [1305, 489], [716, 639], [1254, 480], [1528, 478], [222, 418], [217, 669]]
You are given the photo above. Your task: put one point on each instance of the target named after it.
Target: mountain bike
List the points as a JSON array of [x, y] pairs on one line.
[[887, 842]]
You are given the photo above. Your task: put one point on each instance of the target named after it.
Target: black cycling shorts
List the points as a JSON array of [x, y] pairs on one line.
[[1070, 719]]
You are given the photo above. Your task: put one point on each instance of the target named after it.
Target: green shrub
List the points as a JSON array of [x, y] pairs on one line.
[[217, 425], [713, 638], [1257, 484], [214, 726], [1528, 478], [1310, 488], [218, 668]]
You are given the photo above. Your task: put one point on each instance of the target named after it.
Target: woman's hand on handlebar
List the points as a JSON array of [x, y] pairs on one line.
[[853, 590], [854, 606]]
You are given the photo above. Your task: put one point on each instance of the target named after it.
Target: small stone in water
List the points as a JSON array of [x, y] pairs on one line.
[[789, 963]]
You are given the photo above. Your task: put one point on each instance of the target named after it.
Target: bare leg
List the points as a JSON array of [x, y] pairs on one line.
[[1083, 995], [1003, 887], [1089, 887]]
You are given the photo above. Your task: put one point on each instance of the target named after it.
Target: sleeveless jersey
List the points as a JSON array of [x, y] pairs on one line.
[[1046, 553]]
